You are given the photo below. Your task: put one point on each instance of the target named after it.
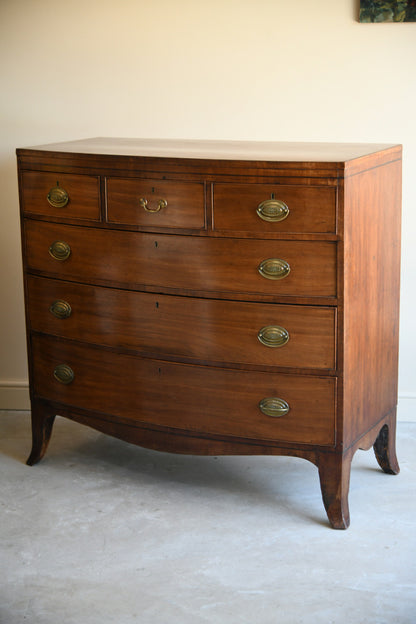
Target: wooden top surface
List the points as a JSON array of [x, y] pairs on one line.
[[221, 150]]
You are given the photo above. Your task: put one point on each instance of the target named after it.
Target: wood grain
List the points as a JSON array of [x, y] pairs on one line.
[[185, 263], [311, 209], [192, 398], [185, 328], [83, 191], [371, 295], [185, 203]]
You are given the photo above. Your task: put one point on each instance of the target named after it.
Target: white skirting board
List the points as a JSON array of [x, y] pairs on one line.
[[407, 407], [14, 395]]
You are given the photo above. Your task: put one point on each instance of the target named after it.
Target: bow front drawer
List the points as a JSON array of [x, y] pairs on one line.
[[248, 404], [192, 264], [156, 203], [201, 330]]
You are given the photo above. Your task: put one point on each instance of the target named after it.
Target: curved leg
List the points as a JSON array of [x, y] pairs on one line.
[[385, 448], [334, 475], [42, 424]]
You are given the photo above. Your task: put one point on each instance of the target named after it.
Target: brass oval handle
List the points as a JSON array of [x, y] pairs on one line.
[[64, 374], [61, 309], [60, 250], [162, 203], [273, 336], [273, 210], [274, 407], [274, 268], [57, 197]]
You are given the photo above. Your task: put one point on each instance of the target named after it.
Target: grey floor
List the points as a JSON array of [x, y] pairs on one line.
[[101, 531]]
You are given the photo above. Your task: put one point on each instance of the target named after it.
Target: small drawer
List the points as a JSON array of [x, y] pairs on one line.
[[61, 195], [274, 208], [156, 203], [222, 267], [229, 333], [245, 404]]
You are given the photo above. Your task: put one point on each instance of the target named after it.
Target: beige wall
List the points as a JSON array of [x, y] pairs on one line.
[[238, 69]]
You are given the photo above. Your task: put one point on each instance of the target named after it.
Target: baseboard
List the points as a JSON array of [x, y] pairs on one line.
[[14, 395], [406, 411]]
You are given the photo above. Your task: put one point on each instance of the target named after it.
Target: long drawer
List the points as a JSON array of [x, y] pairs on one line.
[[203, 330], [97, 255], [208, 400]]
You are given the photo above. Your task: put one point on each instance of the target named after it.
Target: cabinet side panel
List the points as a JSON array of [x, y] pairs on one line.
[[371, 297]]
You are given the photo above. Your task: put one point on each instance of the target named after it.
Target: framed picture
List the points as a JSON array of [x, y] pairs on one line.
[[388, 11]]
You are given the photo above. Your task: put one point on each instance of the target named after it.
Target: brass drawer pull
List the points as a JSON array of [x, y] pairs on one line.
[[59, 250], [273, 336], [274, 268], [274, 407], [272, 210], [162, 203], [61, 309], [64, 374], [57, 197]]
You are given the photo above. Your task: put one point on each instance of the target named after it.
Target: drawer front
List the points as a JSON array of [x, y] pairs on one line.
[[202, 330], [156, 203], [274, 208], [61, 195], [194, 264], [180, 396]]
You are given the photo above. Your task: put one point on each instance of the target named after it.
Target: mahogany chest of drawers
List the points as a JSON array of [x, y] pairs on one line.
[[216, 297]]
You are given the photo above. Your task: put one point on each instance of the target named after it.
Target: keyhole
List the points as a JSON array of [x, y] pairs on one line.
[[272, 196]]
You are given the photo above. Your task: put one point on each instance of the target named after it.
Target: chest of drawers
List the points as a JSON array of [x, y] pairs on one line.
[[216, 297]]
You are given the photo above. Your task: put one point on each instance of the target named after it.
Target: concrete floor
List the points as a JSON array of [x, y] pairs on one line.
[[101, 531]]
